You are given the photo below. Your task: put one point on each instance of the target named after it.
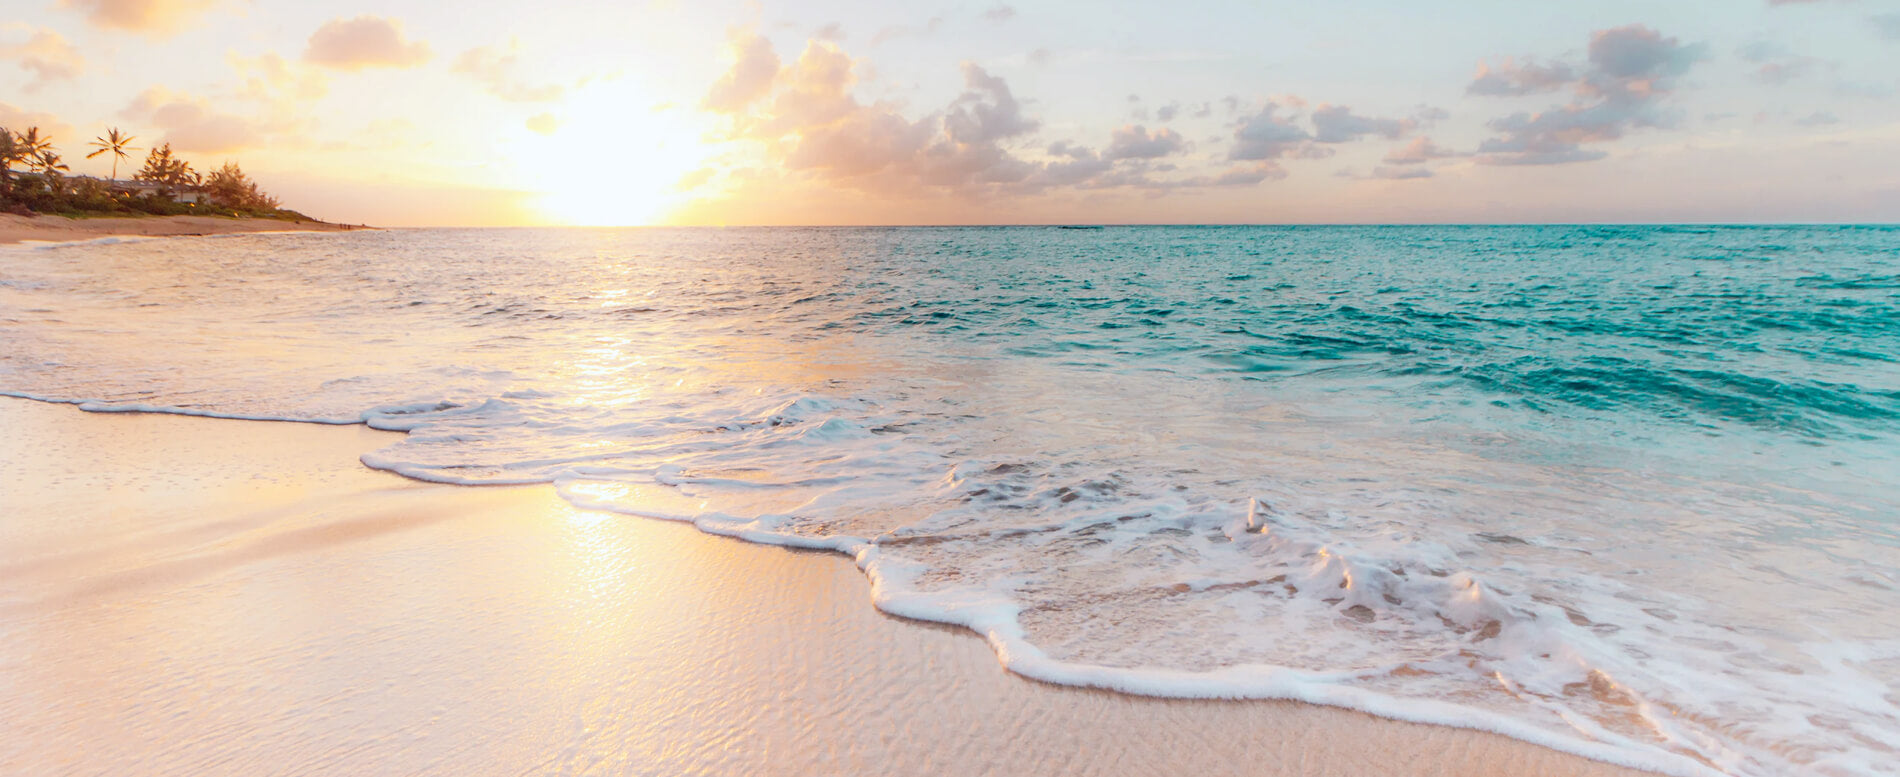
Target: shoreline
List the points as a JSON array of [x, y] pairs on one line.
[[59, 229], [262, 566]]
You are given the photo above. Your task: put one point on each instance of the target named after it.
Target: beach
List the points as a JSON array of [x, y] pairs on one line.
[[57, 229], [1162, 483], [201, 596], [855, 388]]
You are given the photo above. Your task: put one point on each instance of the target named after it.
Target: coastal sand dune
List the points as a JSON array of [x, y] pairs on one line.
[[14, 229], [205, 597]]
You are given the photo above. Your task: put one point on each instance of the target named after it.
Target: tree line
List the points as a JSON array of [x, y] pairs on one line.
[[44, 186]]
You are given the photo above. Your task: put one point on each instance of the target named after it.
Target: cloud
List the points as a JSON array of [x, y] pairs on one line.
[[1250, 175], [1338, 124], [190, 124], [754, 67], [812, 130], [1078, 166], [1000, 13], [987, 112], [1070, 150], [1401, 173], [1818, 119], [1265, 135], [18, 119], [1418, 152], [1135, 142], [809, 123], [363, 42], [1634, 61], [495, 68], [1553, 137], [272, 79], [1630, 70], [1510, 79], [151, 17], [44, 53], [833, 32], [1557, 154], [814, 140], [544, 123]]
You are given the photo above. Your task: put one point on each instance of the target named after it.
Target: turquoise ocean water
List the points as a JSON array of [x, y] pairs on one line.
[[1629, 491]]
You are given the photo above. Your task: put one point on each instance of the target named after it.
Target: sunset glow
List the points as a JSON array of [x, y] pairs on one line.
[[1036, 387], [616, 158], [845, 113]]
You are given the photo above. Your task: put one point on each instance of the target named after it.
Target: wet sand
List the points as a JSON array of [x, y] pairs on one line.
[[185, 596], [55, 229]]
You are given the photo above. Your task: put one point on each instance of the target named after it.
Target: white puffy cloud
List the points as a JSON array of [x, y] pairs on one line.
[[41, 51], [151, 17], [364, 42], [755, 65]]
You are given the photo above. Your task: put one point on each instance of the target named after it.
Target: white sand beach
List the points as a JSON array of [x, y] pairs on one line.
[[188, 596]]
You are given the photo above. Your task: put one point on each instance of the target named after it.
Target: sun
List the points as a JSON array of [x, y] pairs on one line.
[[610, 157]]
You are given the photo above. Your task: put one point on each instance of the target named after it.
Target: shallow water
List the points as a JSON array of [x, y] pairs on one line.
[[1626, 491]]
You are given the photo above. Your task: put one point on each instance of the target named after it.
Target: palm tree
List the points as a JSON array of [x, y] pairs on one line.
[[117, 144], [48, 163], [32, 144], [12, 152], [16, 148], [50, 168]]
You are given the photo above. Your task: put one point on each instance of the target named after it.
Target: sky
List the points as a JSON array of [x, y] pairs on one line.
[[410, 113]]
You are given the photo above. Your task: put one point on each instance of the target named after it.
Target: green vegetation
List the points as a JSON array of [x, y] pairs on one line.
[[165, 186]]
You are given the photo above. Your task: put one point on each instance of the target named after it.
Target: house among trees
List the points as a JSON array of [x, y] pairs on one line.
[[136, 188]]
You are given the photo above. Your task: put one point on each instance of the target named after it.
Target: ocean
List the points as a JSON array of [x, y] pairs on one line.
[[1625, 491]]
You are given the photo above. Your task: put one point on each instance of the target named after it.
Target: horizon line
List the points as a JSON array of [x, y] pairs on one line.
[[1106, 225]]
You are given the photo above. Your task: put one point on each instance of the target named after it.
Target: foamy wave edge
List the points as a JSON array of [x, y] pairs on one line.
[[993, 618]]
